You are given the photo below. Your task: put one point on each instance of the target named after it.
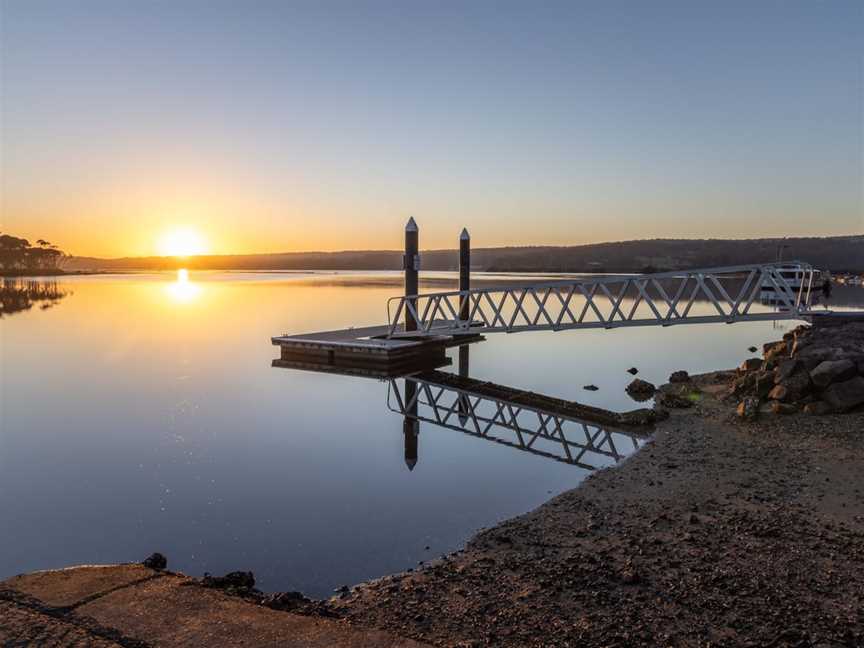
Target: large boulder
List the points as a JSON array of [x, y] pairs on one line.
[[750, 364], [846, 395], [818, 353], [772, 347], [831, 371], [794, 388], [800, 345], [641, 389], [763, 384], [783, 408], [156, 561], [744, 385], [779, 392], [787, 368], [817, 408], [748, 409], [815, 355], [775, 351], [679, 376]]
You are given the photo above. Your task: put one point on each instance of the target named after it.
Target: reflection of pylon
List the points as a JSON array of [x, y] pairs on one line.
[[464, 404], [410, 424], [411, 431]]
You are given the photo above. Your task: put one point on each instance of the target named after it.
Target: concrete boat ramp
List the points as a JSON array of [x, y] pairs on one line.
[[132, 606]]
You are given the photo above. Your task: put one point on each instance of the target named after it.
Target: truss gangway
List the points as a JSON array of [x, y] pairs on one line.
[[774, 291]]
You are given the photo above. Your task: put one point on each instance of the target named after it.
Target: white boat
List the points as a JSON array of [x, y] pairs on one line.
[[794, 277]]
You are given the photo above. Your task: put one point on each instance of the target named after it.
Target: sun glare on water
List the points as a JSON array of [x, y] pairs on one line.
[[181, 242], [182, 290]]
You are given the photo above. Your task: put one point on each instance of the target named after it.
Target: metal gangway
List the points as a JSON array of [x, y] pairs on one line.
[[731, 294]]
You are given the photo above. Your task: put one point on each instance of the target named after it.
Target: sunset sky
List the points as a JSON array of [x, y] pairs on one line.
[[133, 128]]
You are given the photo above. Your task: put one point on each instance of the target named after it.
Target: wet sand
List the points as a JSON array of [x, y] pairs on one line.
[[719, 532]]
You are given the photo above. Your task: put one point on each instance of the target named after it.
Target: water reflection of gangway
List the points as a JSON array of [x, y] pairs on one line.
[[433, 398], [533, 423]]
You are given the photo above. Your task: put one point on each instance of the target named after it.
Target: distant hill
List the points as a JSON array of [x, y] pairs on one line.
[[839, 253]]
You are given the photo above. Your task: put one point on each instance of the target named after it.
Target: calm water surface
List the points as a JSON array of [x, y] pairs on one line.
[[141, 413]]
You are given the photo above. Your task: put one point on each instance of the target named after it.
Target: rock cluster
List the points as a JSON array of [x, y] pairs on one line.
[[297, 603], [238, 582], [679, 376], [640, 390], [817, 370], [155, 561]]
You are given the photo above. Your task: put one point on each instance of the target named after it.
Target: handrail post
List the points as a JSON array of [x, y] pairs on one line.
[[411, 265], [464, 275]]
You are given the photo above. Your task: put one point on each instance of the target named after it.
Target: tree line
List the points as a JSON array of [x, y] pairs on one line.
[[19, 255]]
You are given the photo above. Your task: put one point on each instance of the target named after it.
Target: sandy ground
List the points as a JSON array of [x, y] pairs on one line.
[[718, 533]]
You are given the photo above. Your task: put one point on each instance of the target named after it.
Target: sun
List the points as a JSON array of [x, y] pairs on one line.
[[181, 242]]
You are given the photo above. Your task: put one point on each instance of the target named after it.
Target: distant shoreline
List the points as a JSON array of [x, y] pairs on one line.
[[839, 254], [15, 274]]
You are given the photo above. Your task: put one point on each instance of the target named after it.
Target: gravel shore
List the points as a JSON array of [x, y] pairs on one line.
[[720, 532]]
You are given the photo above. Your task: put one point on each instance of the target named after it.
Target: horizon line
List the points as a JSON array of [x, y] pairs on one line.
[[455, 249]]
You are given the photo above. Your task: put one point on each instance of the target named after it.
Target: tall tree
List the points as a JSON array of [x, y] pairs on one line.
[[17, 254]]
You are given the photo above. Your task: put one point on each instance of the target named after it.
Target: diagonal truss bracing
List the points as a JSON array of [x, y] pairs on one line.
[[609, 302], [516, 425]]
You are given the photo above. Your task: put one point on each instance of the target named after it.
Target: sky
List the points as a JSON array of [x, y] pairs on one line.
[[241, 127]]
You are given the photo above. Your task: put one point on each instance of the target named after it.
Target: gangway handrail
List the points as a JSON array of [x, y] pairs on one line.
[[441, 312]]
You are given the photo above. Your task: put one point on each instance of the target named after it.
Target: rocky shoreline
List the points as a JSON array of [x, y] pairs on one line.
[[723, 531]]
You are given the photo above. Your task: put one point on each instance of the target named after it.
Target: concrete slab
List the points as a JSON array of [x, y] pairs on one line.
[[68, 587], [174, 611], [21, 627]]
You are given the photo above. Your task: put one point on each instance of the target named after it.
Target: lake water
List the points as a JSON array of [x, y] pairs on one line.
[[141, 413]]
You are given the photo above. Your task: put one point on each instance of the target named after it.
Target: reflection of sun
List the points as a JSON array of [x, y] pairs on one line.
[[181, 242], [183, 291]]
